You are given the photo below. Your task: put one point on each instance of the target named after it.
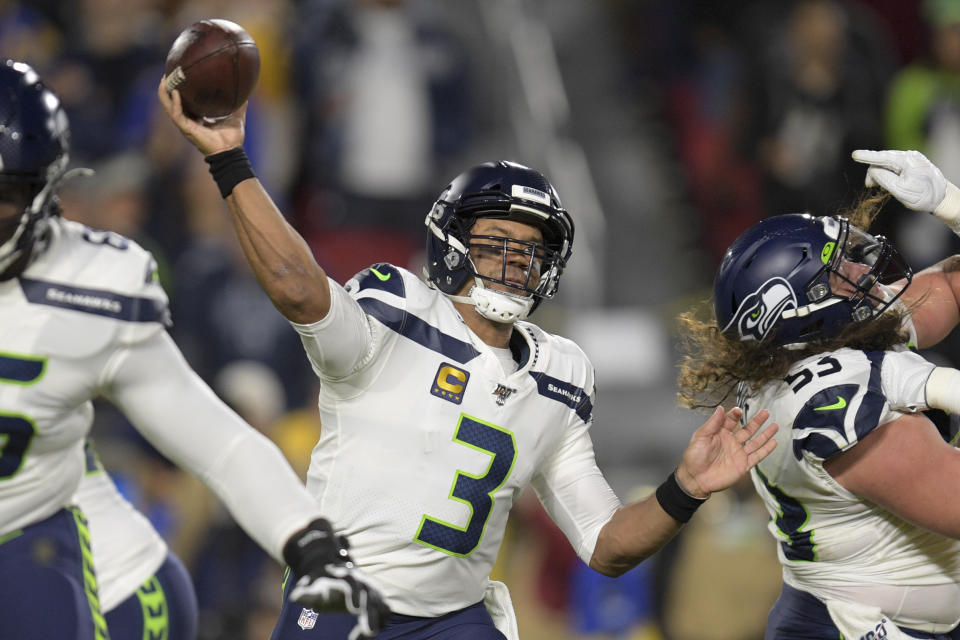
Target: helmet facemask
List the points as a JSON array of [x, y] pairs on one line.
[[525, 273], [856, 272]]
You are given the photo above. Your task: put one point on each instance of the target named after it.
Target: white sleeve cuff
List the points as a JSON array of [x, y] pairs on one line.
[[904, 379], [943, 389], [949, 208]]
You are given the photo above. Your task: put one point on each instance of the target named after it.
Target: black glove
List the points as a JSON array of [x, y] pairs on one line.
[[328, 581]]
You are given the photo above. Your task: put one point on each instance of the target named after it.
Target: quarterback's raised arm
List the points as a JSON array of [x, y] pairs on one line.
[[279, 256]]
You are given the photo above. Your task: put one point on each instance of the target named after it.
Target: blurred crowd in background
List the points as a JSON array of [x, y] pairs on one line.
[[668, 126]]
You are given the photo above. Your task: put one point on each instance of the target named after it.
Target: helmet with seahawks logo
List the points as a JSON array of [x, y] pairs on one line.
[[795, 278]]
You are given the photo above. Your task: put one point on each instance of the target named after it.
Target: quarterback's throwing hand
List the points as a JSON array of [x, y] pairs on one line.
[[328, 581], [209, 136]]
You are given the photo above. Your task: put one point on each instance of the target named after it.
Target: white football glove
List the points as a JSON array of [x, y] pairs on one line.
[[328, 581], [913, 180]]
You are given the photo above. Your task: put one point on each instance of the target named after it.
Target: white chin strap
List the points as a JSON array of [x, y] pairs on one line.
[[496, 305]]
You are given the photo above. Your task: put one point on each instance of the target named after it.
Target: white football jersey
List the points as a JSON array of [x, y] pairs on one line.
[[831, 542], [126, 548], [426, 442], [89, 294], [87, 319]]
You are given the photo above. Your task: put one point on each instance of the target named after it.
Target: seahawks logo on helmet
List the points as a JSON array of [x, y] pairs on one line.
[[759, 311]]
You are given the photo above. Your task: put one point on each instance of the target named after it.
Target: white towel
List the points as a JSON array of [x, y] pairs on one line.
[[497, 601], [863, 622]]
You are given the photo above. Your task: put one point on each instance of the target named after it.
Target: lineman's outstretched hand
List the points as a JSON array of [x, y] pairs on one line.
[[209, 136], [721, 452], [328, 581]]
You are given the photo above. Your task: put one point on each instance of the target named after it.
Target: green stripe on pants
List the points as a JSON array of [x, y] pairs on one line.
[[90, 576], [153, 603]]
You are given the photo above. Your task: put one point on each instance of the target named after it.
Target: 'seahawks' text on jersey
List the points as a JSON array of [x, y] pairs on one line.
[[831, 542], [62, 325], [426, 441]]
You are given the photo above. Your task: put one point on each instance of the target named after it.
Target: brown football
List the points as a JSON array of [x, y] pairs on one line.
[[214, 65]]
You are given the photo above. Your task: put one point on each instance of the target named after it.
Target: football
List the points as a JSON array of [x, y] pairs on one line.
[[214, 65]]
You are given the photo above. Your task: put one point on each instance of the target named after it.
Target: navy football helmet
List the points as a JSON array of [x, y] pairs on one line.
[[504, 190], [795, 278], [34, 146]]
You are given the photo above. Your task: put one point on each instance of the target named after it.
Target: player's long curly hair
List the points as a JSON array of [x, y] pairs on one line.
[[712, 364]]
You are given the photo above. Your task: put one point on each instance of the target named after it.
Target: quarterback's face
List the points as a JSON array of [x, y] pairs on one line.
[[507, 250]]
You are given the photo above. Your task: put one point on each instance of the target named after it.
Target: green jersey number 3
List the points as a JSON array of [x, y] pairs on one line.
[[16, 430], [474, 491]]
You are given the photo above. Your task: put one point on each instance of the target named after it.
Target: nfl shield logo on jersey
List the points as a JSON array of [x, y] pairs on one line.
[[308, 619], [502, 392]]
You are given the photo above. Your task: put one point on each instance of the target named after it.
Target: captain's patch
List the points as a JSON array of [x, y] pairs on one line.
[[450, 383]]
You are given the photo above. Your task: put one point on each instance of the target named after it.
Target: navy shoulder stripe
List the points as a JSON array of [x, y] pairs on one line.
[[565, 393], [413, 328], [95, 301], [872, 406], [382, 276], [826, 412]]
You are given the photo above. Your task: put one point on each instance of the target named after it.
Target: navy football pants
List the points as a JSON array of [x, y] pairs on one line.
[[163, 608], [797, 615], [471, 623], [48, 588]]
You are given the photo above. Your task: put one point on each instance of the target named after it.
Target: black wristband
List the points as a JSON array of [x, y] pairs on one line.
[[675, 500], [229, 168]]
